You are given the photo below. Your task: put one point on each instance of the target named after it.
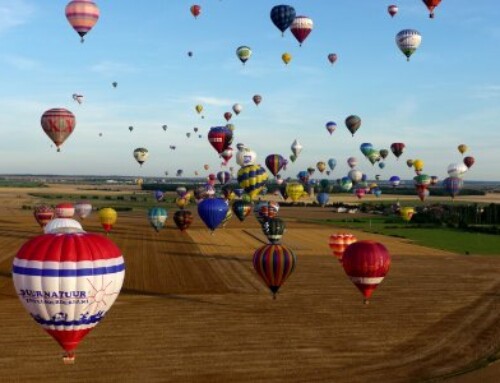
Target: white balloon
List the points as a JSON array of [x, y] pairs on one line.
[[63, 225]]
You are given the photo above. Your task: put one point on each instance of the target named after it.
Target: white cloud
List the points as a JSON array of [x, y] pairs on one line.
[[112, 68], [213, 101], [20, 62], [486, 92], [14, 13]]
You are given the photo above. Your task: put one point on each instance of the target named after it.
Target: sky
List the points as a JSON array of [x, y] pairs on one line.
[[448, 94]]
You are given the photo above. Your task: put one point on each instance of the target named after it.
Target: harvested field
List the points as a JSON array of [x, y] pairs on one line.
[[193, 310]]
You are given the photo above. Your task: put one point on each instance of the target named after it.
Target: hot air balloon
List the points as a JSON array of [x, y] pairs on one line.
[[275, 163], [409, 163], [65, 210], [392, 9], [286, 57], [418, 165], [157, 217], [295, 191], [220, 138], [431, 4], [292, 157], [227, 155], [141, 155], [179, 173], [355, 176], [434, 180], [68, 282], [242, 209], [408, 41], [43, 214], [345, 184], [331, 126], [452, 185], [339, 242], [273, 229], [212, 212], [83, 209], [366, 263], [183, 219], [373, 156], [107, 217], [195, 10], [243, 53], [252, 178], [366, 148], [321, 166], [274, 264], [130, 128], [397, 149], [353, 123], [63, 225], [257, 99], [246, 157], [296, 148], [360, 192], [78, 98], [469, 161], [228, 116], [198, 108], [237, 108], [395, 181], [332, 57], [224, 177], [115, 84], [384, 153], [322, 198], [332, 163], [301, 27], [164, 127], [282, 17], [266, 210], [462, 148], [188, 135], [58, 124], [82, 16], [407, 213]]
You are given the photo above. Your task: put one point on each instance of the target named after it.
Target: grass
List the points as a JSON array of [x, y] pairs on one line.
[[453, 240]]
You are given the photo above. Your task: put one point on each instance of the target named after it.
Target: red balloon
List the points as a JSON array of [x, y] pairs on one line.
[[332, 57], [58, 124], [183, 219], [65, 210], [228, 116], [220, 138], [43, 214], [195, 10], [392, 9], [257, 99], [366, 263], [469, 161], [431, 4], [397, 149]]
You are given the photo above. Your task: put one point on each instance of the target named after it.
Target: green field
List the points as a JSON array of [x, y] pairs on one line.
[[454, 240]]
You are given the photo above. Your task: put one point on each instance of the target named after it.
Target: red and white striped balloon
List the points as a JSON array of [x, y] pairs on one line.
[[68, 282], [65, 210]]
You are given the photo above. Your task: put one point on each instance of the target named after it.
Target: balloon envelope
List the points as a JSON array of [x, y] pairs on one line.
[[212, 211], [58, 124], [82, 16]]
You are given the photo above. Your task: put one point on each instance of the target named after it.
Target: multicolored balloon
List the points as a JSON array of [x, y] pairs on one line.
[[273, 229], [301, 27], [157, 217], [195, 10], [183, 219], [392, 10], [332, 57], [244, 53], [107, 217], [58, 124], [43, 214], [408, 41], [242, 209], [252, 178], [353, 123], [257, 99], [275, 163], [82, 16], [141, 155], [65, 210], [274, 264]]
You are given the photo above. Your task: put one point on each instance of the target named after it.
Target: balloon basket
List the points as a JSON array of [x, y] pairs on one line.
[[69, 358]]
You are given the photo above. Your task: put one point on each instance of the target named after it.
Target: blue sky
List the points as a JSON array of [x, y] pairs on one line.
[[448, 93]]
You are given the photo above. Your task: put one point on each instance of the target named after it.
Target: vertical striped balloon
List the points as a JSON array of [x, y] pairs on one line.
[[339, 242], [366, 263], [274, 264], [82, 15]]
